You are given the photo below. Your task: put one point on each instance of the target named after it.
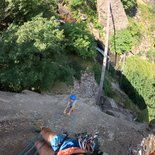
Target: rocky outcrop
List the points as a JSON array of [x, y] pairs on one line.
[[21, 113], [87, 86], [118, 18], [109, 106]]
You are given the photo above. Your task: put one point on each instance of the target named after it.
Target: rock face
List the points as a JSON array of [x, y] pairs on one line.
[[118, 18], [21, 113], [109, 106], [87, 86]]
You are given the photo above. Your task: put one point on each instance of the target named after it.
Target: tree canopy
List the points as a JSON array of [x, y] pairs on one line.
[[19, 11], [29, 54], [79, 40], [121, 42]]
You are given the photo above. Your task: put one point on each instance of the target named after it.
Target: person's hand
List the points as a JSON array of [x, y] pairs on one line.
[[69, 114]]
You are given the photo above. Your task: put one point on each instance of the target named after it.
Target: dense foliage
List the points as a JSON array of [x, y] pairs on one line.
[[81, 4], [23, 10], [121, 42], [36, 53], [129, 5], [135, 31], [30, 55], [79, 40], [84, 10], [139, 83]]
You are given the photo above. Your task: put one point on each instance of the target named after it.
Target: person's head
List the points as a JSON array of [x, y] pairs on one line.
[[72, 98]]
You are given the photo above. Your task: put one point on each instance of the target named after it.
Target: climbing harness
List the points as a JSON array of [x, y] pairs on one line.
[[88, 141]]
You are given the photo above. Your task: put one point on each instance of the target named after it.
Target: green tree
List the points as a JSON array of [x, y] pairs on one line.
[[134, 29], [23, 10], [121, 42], [31, 55], [129, 5], [79, 41], [74, 4]]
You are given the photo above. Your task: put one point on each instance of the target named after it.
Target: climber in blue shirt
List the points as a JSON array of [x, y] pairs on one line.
[[70, 105]]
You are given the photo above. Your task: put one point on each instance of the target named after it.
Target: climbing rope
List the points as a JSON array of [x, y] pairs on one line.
[[30, 146]]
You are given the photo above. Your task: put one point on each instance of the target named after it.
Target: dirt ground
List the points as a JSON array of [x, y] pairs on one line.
[[21, 113]]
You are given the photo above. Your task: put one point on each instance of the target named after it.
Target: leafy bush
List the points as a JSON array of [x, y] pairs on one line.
[[43, 34], [77, 67], [85, 10], [31, 55], [129, 5], [121, 41], [79, 40], [139, 83], [74, 4], [134, 29], [20, 11]]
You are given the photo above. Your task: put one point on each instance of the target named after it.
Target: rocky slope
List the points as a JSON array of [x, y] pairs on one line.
[[21, 113]]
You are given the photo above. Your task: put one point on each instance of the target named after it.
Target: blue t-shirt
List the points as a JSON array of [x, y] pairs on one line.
[[57, 139], [71, 104]]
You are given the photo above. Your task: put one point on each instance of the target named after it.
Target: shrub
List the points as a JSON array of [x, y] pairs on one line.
[[129, 5], [151, 55], [79, 41], [81, 4], [30, 55], [77, 67], [139, 83], [26, 9], [121, 41], [134, 29]]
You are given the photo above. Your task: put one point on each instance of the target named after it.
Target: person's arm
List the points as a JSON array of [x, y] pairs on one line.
[[72, 108], [66, 108]]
